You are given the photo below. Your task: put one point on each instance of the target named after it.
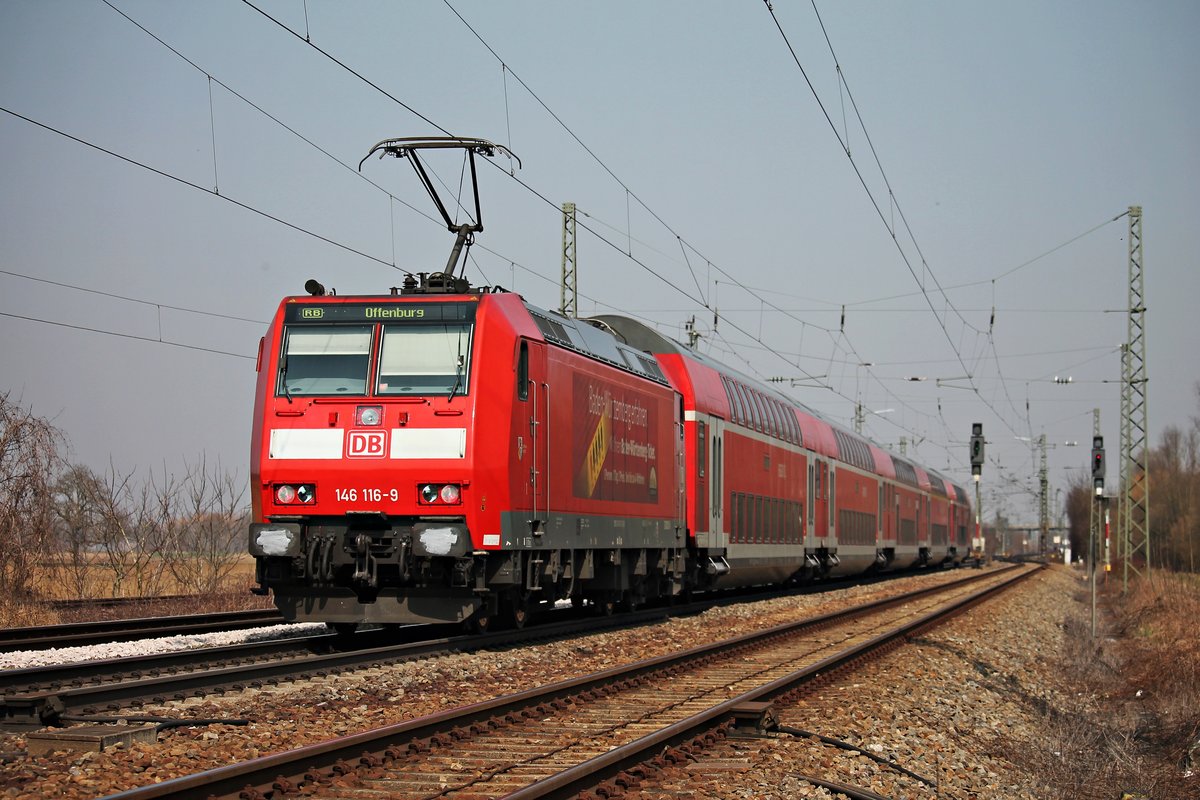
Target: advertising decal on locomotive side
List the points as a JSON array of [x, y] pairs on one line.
[[614, 447]]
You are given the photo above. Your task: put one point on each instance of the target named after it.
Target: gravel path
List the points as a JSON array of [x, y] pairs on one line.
[[948, 708]]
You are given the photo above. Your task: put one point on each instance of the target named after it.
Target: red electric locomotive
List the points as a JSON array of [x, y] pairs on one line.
[[433, 456], [445, 453]]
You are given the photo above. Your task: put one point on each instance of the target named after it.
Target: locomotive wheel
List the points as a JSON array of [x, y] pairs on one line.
[[629, 601], [606, 608], [344, 630], [634, 597], [516, 609], [479, 623]]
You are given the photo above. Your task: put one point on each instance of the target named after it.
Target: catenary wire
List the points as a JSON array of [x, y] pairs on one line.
[[190, 184], [879, 212], [132, 299], [126, 335], [700, 301]]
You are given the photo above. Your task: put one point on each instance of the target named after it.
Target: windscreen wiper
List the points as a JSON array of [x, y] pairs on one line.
[[458, 370], [287, 390]]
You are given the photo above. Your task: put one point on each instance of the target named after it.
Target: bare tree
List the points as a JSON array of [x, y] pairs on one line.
[[78, 528], [29, 459], [208, 530], [1174, 468], [130, 534]]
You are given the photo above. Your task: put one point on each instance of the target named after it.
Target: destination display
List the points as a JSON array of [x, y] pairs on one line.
[[380, 312]]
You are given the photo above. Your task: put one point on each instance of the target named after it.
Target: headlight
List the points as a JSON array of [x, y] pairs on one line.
[[440, 493], [368, 416], [287, 494]]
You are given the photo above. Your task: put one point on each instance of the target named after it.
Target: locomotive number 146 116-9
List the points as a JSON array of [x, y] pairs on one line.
[[366, 494]]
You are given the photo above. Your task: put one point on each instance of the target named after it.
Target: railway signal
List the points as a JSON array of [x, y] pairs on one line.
[[1098, 464], [976, 449]]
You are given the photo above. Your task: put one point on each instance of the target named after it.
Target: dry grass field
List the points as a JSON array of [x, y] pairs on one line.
[[1137, 721], [59, 579]]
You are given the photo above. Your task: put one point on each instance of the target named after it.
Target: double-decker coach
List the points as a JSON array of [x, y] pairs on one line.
[[778, 494]]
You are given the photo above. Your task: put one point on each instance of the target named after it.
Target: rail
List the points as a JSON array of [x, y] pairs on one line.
[[385, 753]]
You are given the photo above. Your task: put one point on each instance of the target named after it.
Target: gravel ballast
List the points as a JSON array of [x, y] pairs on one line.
[[951, 707]]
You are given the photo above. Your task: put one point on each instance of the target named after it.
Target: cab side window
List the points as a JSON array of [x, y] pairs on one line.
[[523, 372]]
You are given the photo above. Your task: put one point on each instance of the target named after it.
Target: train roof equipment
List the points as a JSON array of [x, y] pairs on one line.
[[408, 147]]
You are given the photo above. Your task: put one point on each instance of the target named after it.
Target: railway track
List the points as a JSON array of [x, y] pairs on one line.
[[65, 677], [559, 740], [78, 634], [35, 697], [78, 603], [41, 696]]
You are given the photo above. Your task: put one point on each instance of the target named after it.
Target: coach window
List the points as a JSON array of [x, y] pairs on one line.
[[733, 409], [755, 413], [523, 371], [743, 407], [425, 359], [752, 418], [777, 415], [325, 360], [780, 426], [739, 517]]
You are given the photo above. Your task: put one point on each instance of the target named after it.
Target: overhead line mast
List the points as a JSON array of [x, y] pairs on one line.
[[569, 291], [1135, 503]]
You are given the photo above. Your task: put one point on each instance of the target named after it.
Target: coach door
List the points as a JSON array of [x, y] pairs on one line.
[[700, 474], [818, 483], [538, 404], [716, 480], [707, 475]]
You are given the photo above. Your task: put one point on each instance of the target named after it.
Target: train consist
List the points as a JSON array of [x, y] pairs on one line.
[[444, 453]]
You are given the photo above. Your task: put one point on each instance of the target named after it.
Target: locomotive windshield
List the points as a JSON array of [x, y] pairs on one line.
[[424, 359], [413, 359], [325, 359]]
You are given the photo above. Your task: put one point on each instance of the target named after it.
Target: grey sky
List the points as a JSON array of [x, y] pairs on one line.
[[1004, 130]]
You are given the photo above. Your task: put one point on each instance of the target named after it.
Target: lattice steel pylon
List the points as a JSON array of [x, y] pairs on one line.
[[1135, 500], [1094, 526], [1122, 521], [1044, 500], [569, 296]]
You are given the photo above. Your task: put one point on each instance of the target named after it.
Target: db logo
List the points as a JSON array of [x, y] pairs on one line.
[[367, 444]]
